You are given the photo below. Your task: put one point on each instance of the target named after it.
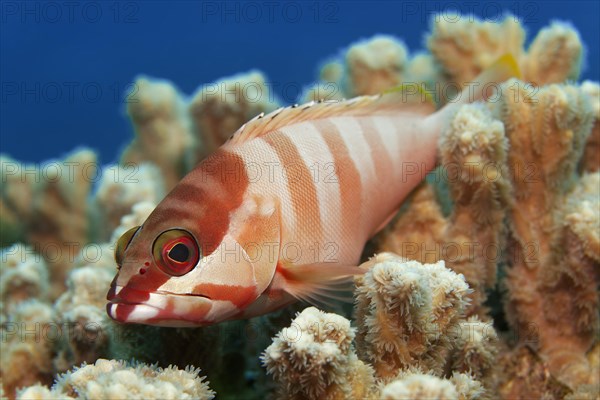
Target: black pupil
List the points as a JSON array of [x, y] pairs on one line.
[[179, 253]]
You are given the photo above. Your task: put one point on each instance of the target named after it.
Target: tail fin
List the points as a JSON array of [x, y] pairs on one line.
[[482, 87]]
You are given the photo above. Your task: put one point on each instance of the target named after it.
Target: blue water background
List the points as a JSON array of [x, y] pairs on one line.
[[65, 66]]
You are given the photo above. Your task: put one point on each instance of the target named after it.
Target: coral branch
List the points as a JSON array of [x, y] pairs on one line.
[[111, 379], [314, 359], [405, 313]]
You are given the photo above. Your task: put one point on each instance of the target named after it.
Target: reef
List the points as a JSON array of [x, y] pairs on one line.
[[485, 285], [110, 379]]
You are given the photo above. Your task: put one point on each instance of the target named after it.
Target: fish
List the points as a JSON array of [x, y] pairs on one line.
[[281, 211]]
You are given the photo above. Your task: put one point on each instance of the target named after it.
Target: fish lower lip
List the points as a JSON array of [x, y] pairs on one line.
[[163, 309]]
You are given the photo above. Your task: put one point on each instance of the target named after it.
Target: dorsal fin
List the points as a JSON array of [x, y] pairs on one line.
[[396, 101]]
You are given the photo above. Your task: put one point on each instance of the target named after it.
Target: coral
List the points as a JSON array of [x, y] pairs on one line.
[[139, 213], [422, 68], [419, 386], [406, 312], [527, 377], [111, 379], [23, 276], [50, 203], [410, 320], [120, 188], [552, 279], [554, 56], [375, 65], [313, 358], [413, 384], [464, 47], [81, 309], [28, 338], [475, 351], [473, 156], [590, 161], [372, 66], [220, 108], [163, 135]]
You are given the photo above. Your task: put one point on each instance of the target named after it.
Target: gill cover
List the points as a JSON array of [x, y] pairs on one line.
[[237, 272]]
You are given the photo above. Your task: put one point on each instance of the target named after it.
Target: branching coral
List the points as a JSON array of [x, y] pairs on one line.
[[591, 156], [417, 385], [162, 128], [553, 272], [375, 65], [554, 56], [464, 46], [50, 203], [475, 351], [406, 313], [473, 153], [111, 379], [220, 108], [28, 337], [409, 317], [372, 66], [313, 358], [23, 276], [120, 188], [81, 309]]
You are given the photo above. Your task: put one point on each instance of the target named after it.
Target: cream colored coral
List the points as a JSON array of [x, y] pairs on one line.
[[465, 45], [414, 384], [419, 386], [375, 65], [583, 214], [162, 130], [405, 312], [23, 276], [422, 68], [50, 202], [314, 359], [139, 213], [552, 283], [112, 379], [122, 187], [27, 337], [591, 157], [473, 153], [82, 309], [475, 349], [554, 56], [220, 108]]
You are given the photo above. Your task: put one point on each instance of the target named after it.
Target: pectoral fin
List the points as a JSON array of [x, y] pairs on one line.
[[319, 284]]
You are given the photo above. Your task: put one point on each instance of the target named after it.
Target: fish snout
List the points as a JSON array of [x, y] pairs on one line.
[[161, 309]]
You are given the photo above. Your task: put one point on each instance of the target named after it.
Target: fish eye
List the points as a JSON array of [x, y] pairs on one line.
[[176, 252], [122, 244]]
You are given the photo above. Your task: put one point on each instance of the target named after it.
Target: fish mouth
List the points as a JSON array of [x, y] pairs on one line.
[[160, 308]]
